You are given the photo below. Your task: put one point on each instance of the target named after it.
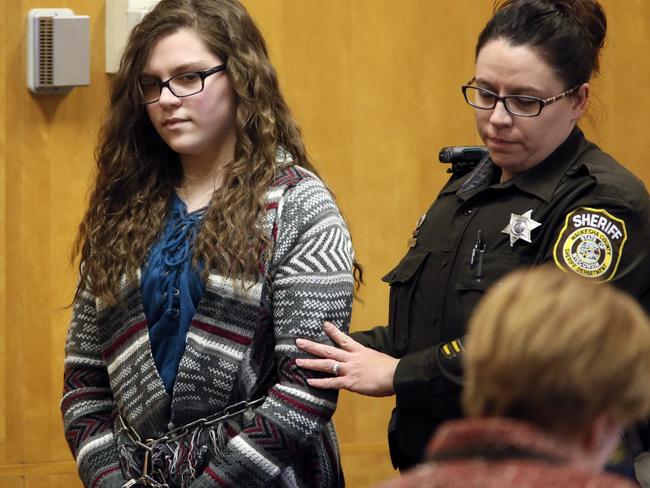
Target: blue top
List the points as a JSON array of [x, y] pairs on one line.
[[171, 289]]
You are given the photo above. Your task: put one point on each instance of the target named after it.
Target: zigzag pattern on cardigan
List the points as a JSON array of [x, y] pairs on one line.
[[241, 342]]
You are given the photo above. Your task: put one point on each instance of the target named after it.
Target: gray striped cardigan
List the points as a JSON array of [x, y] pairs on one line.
[[240, 342]]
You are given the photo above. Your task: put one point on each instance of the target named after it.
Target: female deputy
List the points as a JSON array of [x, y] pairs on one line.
[[205, 251], [544, 194]]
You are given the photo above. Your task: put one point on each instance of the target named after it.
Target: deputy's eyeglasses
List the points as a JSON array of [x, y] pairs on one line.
[[519, 105], [183, 85]]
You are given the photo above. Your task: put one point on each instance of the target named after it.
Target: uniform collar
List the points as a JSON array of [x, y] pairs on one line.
[[480, 177], [543, 179]]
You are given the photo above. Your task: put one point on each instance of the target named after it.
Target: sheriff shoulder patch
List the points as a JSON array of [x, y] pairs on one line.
[[590, 243]]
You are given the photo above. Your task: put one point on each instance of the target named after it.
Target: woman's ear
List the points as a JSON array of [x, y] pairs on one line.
[[600, 440], [580, 100]]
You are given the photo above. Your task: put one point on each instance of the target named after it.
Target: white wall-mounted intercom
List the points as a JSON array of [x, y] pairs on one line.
[[121, 17], [58, 50]]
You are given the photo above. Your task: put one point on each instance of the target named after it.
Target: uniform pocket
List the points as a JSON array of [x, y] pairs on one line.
[[403, 280], [494, 267], [407, 267]]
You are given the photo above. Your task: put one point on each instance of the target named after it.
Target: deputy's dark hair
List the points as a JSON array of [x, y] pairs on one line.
[[567, 33]]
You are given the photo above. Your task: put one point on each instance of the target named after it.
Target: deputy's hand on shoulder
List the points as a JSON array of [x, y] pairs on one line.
[[355, 367]]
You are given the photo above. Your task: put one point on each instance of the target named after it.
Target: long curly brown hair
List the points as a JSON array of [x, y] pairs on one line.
[[137, 171]]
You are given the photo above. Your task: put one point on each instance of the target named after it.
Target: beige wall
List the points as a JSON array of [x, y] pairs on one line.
[[375, 86]]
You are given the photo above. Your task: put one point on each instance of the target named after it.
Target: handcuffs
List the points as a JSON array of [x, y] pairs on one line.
[[148, 445]]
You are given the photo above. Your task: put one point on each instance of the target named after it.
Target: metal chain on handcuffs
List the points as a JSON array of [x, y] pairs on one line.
[[174, 435]]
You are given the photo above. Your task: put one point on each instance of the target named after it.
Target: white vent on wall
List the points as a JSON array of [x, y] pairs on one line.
[[46, 50], [121, 17], [58, 50]]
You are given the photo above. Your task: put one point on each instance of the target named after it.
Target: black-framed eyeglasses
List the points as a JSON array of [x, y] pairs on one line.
[[519, 105], [183, 85]]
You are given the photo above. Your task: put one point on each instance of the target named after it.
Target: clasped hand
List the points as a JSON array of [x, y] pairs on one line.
[[360, 369]]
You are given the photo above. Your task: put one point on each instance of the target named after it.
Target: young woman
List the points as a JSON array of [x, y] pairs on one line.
[[544, 194], [208, 246]]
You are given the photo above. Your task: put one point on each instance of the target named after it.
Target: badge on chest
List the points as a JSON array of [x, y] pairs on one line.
[[520, 227]]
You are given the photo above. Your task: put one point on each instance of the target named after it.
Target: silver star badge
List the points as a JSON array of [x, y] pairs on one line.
[[520, 227]]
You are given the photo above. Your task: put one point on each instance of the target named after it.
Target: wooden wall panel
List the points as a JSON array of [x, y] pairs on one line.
[[620, 112], [49, 145], [53, 481], [12, 482], [375, 85], [4, 419]]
